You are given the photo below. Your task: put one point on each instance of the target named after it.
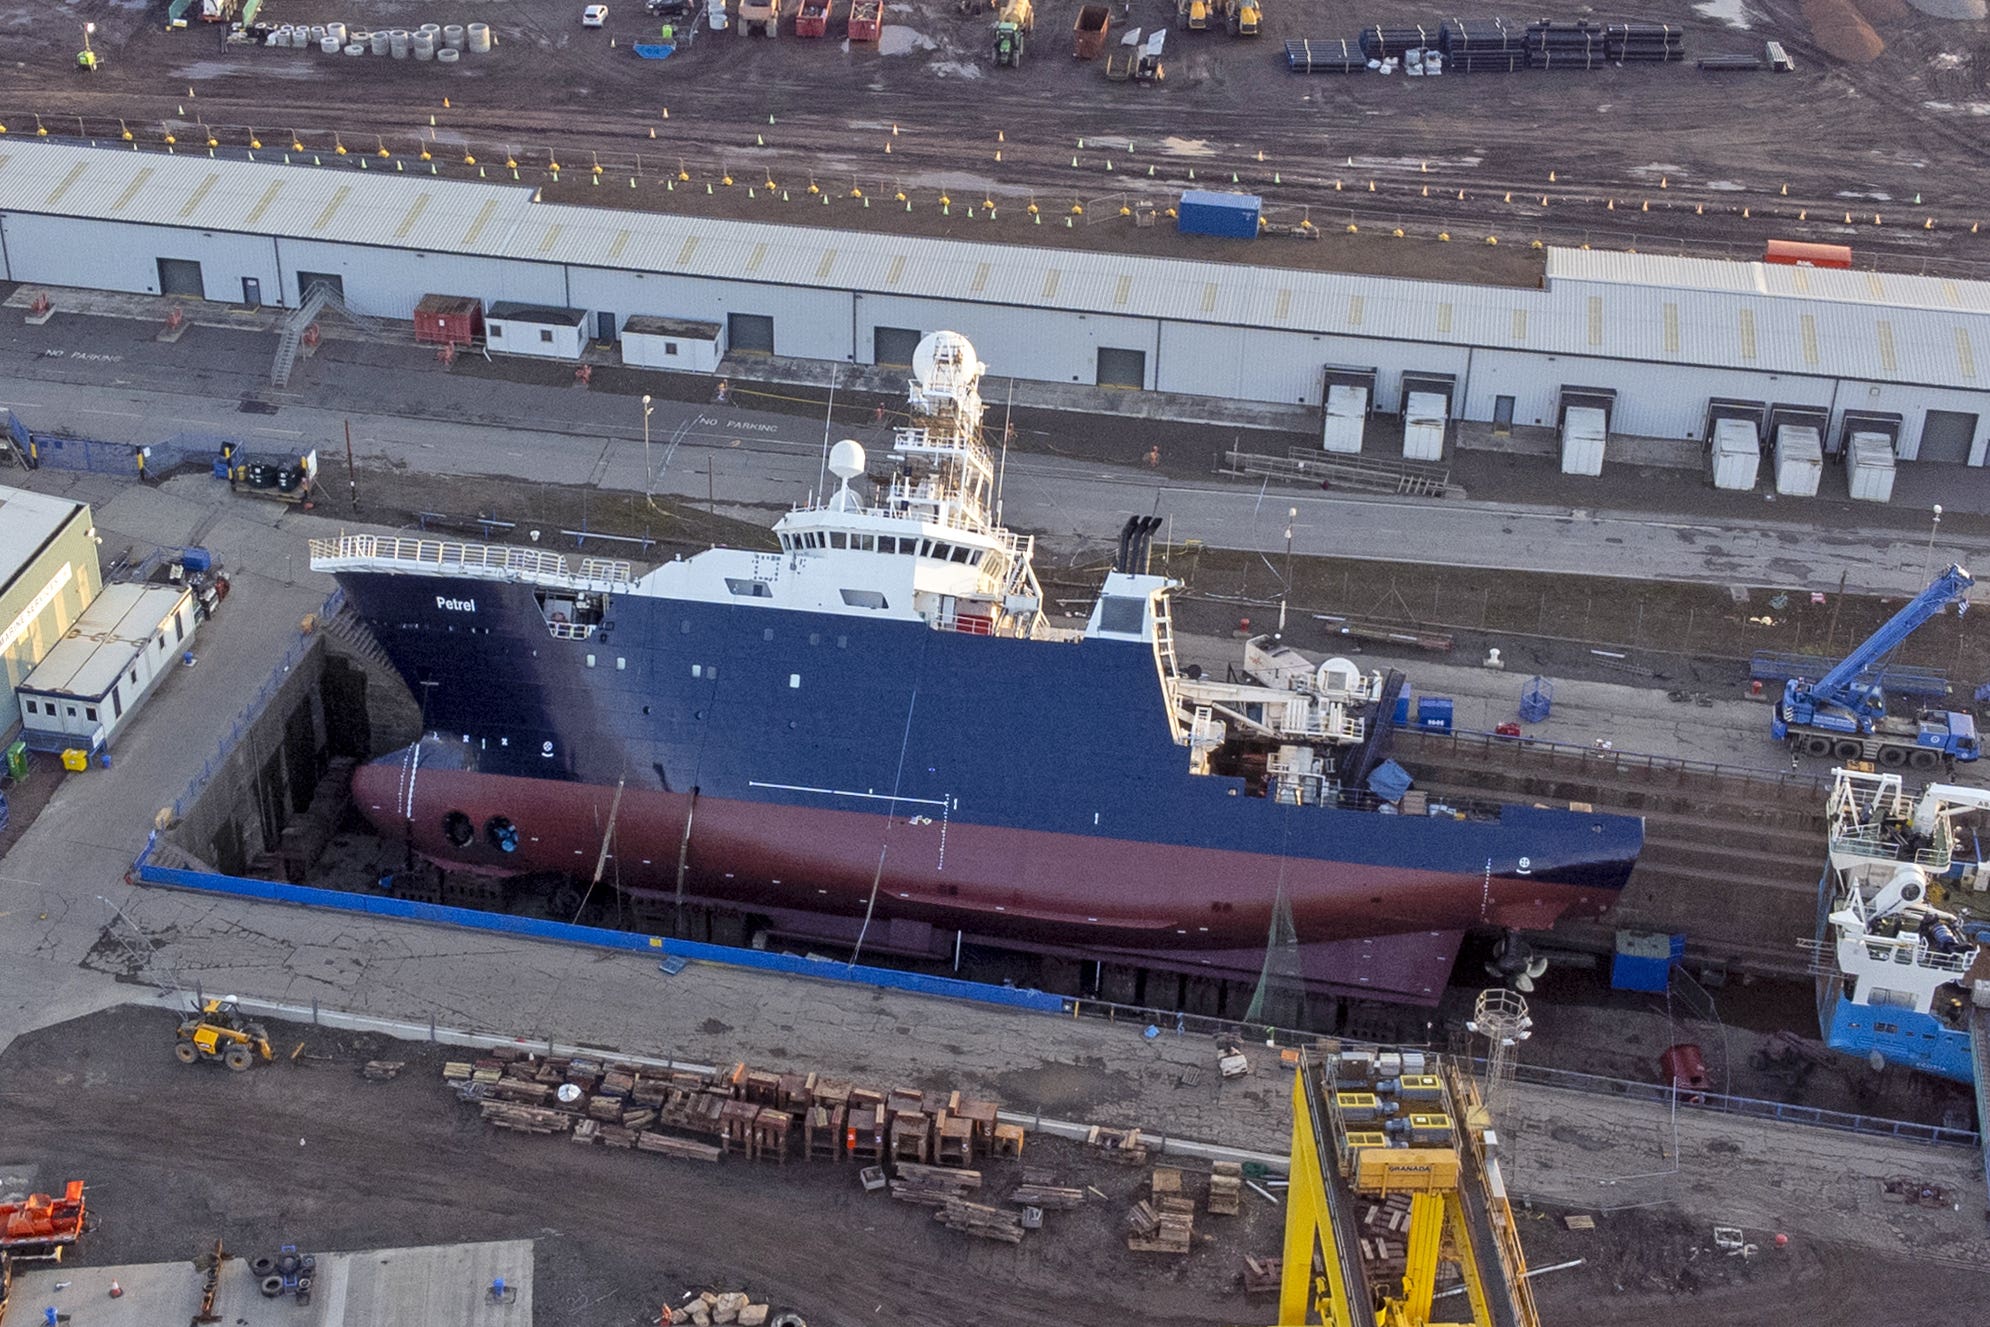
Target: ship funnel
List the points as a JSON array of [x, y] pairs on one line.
[[1136, 540]]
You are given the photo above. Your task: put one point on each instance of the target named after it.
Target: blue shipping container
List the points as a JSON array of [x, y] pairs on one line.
[[1229, 216], [1434, 712], [1403, 710]]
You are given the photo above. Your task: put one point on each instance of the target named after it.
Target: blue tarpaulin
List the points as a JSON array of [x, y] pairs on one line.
[[652, 51], [1389, 781]]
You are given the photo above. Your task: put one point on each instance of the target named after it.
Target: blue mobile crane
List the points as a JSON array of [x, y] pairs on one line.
[[1843, 714]]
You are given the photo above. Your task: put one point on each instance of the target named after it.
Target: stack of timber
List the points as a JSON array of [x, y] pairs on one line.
[[1226, 1188], [981, 1221], [1123, 1145], [1049, 1197], [696, 1115], [1161, 1225], [932, 1186]]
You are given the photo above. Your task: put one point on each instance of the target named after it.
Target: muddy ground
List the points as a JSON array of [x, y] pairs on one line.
[[1880, 113], [176, 1156]]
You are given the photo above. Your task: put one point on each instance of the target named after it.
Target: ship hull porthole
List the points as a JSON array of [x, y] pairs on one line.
[[458, 829]]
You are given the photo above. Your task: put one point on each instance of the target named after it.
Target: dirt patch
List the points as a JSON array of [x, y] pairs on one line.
[[1840, 32], [349, 1164]]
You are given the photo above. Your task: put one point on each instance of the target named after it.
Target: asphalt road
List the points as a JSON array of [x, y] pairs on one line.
[[107, 379]]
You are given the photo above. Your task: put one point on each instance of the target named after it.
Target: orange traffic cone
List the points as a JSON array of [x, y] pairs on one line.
[[117, 1291]]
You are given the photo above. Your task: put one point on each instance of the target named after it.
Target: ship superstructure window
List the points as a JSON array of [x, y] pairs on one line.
[[864, 599], [749, 589]]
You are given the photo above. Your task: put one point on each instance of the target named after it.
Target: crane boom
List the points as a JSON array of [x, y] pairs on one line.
[[1948, 588]]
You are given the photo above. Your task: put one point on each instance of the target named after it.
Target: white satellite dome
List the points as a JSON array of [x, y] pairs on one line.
[[846, 459]]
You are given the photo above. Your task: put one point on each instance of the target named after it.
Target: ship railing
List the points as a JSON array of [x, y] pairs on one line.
[[1875, 843], [475, 559], [1912, 951], [572, 630]]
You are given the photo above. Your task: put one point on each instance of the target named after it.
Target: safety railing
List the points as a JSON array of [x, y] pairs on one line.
[[1751, 1107], [460, 556]]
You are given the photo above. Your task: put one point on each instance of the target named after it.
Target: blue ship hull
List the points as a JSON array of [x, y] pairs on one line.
[[1899, 1036], [847, 766]]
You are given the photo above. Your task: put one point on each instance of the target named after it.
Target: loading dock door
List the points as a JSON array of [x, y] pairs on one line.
[[894, 346], [181, 276], [1946, 438], [1122, 368], [306, 280], [750, 333]]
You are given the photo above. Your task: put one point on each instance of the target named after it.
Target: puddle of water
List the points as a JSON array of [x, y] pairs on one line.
[[1731, 12]]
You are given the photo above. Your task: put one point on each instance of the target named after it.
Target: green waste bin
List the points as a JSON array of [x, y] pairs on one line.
[[17, 761]]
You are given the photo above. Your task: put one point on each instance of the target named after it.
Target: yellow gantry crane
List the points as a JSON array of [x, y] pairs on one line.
[[1369, 1124]]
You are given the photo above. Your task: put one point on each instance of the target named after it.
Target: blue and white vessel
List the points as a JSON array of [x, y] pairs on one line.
[[1905, 962]]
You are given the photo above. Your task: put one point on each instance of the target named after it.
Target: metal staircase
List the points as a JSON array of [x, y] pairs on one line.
[[320, 297]]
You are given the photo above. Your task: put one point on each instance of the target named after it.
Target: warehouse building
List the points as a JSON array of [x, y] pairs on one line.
[[1664, 339], [48, 577]]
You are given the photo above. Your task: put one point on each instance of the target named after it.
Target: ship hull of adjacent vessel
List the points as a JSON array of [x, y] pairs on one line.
[[832, 764]]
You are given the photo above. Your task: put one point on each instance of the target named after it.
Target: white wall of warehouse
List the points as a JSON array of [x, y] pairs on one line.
[[388, 283], [809, 324], [1021, 341], [109, 255], [1015, 342]]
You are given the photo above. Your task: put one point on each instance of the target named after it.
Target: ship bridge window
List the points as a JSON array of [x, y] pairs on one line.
[[1123, 615], [837, 539], [864, 599], [749, 589], [959, 553]]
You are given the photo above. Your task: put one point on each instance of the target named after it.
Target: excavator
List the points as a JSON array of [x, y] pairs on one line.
[[1012, 25], [1193, 15], [219, 1032]]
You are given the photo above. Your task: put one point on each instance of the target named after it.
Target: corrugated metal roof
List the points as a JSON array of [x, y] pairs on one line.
[[27, 521], [1648, 307], [119, 623]]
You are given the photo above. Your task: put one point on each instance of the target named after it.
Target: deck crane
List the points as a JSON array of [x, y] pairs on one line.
[[1843, 714], [1371, 1124]]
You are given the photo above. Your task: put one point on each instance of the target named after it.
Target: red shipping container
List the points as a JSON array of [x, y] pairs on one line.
[[449, 320], [1797, 253]]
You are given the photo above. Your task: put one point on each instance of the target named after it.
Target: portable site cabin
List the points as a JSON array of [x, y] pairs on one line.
[[1424, 419], [90, 684], [1799, 460], [1869, 467], [1584, 429], [673, 343], [535, 329], [1735, 455]]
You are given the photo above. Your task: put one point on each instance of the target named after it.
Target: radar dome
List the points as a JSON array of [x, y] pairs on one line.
[[941, 355], [846, 459]]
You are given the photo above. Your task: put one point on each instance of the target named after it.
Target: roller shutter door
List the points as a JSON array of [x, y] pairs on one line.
[[1946, 438], [1122, 368], [750, 333], [181, 276]]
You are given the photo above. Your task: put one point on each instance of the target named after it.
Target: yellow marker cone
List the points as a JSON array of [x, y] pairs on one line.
[[1424, 167], [1848, 218], [1803, 214], [652, 131], [770, 117], [998, 154], [1108, 165], [1646, 207], [1664, 182], [1001, 137], [1611, 206], [1371, 186], [759, 141], [1260, 154], [431, 122], [1444, 236], [1461, 195], [887, 149], [1509, 195], [1929, 224], [1426, 191], [1786, 191], [666, 112], [445, 103], [1277, 177], [1551, 177], [1234, 179], [1744, 214]]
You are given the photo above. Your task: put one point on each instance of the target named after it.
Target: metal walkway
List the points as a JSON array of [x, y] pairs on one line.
[[1979, 1055]]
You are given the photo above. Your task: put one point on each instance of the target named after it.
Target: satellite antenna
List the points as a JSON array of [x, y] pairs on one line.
[[846, 462]]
